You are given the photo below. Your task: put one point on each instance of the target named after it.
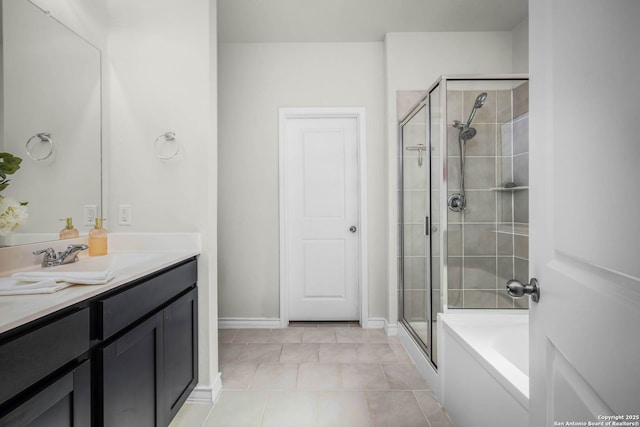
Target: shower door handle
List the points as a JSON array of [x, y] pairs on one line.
[[353, 229], [517, 289]]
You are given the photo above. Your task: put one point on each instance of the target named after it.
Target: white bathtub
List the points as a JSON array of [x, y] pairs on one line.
[[485, 367]]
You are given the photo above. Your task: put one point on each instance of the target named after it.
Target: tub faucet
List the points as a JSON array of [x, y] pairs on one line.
[[69, 255]]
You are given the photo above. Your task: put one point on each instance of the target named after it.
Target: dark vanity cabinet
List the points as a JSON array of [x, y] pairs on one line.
[[127, 357]]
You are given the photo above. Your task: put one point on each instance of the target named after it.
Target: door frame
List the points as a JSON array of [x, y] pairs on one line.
[[357, 113]]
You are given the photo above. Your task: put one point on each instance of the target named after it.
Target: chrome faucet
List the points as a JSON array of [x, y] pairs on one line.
[[69, 255]]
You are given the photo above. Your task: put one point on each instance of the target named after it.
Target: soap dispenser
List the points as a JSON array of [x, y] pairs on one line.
[[69, 232], [98, 239]]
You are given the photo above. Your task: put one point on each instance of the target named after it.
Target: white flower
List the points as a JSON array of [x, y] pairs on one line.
[[12, 215]]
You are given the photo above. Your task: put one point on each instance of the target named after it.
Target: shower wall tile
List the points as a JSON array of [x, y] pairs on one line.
[[521, 206], [434, 168], [521, 247], [505, 244], [486, 114], [414, 134], [414, 273], [503, 99], [435, 240], [480, 172], [521, 169], [521, 303], [480, 299], [479, 273], [435, 208], [521, 270], [454, 298], [414, 176], [505, 271], [505, 171], [505, 300], [415, 305], [505, 139], [454, 269], [521, 135], [481, 206], [453, 145], [521, 99], [454, 105], [454, 240], [484, 143], [435, 272], [453, 173], [479, 240], [414, 206], [414, 240], [505, 206]]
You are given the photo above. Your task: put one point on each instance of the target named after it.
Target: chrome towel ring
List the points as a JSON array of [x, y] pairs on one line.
[[44, 138], [166, 139]]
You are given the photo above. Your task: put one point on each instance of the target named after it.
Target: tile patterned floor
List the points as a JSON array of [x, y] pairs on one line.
[[318, 375]]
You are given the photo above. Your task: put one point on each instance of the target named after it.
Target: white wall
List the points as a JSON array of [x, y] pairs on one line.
[[162, 77], [414, 61], [520, 47], [254, 81]]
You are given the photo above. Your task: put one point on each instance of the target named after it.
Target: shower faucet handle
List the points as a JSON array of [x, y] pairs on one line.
[[517, 289]]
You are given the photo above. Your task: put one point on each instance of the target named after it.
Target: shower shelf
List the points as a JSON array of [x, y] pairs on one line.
[[509, 188], [516, 230]]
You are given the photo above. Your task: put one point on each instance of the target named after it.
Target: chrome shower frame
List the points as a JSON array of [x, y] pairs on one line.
[[423, 102]]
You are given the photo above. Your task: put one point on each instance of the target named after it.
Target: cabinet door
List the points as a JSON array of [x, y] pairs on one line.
[[181, 351], [132, 377], [65, 402]]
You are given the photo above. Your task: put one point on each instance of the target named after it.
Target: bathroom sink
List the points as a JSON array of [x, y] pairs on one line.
[[114, 262]]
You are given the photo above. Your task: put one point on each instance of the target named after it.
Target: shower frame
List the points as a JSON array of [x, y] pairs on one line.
[[423, 102]]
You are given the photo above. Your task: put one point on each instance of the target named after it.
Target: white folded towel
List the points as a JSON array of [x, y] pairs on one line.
[[10, 286], [75, 277]]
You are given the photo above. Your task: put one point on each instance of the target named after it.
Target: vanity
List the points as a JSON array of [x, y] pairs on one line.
[[120, 354]]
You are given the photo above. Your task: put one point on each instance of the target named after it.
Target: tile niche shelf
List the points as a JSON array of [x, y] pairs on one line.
[[513, 229], [509, 188]]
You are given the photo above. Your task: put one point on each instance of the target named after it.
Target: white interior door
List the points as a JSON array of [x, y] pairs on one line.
[[322, 186], [585, 211]]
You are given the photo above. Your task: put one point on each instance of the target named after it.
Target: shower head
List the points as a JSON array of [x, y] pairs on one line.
[[480, 100], [467, 132]]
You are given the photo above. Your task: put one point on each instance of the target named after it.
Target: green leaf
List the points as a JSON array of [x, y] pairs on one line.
[[9, 163], [4, 185]]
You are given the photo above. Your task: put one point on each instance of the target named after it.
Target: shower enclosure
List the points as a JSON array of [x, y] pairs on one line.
[[463, 200]]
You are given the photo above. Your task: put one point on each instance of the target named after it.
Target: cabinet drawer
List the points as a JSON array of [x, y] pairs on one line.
[[120, 310], [36, 354]]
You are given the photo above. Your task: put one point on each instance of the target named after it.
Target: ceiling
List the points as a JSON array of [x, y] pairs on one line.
[[271, 21]]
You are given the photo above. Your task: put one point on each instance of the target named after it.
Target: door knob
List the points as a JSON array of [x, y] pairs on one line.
[[353, 229], [517, 289]]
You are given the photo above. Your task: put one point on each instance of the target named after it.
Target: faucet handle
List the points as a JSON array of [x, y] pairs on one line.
[[49, 253]]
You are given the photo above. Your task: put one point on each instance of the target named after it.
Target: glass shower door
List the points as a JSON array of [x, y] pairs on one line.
[[415, 243]]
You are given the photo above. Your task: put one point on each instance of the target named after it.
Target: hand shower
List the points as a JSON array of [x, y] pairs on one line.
[[457, 201]]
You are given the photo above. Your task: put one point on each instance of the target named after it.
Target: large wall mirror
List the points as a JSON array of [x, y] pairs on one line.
[[51, 118]]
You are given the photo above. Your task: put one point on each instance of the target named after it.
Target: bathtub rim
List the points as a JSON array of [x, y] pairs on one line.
[[519, 387]]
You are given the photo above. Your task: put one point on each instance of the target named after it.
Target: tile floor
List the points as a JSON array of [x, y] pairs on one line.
[[335, 374]]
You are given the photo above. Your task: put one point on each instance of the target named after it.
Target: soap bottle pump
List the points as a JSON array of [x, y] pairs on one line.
[[98, 239], [69, 232]]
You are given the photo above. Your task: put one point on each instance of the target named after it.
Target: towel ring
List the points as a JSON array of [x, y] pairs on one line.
[[166, 138], [44, 137]]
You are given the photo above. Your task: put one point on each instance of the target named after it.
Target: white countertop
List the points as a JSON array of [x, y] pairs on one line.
[[17, 310]]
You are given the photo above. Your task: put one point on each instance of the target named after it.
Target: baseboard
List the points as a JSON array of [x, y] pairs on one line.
[[390, 329], [206, 394], [376, 323], [248, 323]]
